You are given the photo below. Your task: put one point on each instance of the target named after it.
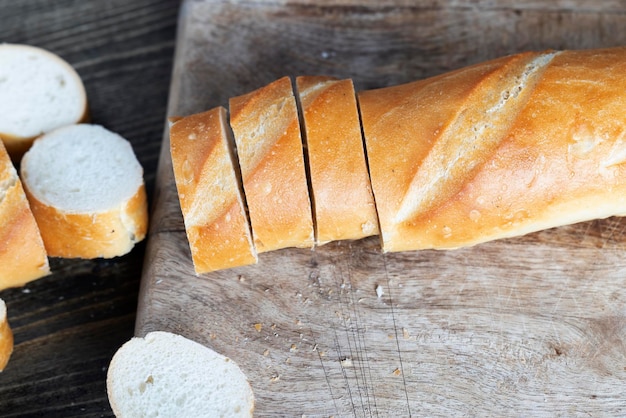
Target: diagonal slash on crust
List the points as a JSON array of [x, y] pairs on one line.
[[477, 130]]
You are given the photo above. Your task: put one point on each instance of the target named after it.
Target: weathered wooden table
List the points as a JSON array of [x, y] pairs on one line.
[[68, 325]]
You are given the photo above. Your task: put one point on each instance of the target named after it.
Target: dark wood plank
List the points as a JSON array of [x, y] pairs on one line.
[[529, 326], [68, 325]]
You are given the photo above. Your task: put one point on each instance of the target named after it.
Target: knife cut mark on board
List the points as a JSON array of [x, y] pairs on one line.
[[354, 336], [366, 370], [395, 328]]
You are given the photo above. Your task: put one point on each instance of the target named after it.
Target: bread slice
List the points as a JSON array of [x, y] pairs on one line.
[[209, 192], [40, 92], [6, 337], [499, 149], [269, 146], [168, 375], [86, 190], [23, 257], [340, 186]]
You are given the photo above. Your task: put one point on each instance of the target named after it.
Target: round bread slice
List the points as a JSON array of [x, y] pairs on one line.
[[6, 337], [40, 92], [168, 375], [86, 191]]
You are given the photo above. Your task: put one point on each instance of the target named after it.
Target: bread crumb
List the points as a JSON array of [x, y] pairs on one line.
[[405, 333], [293, 348], [368, 228], [266, 352], [275, 378], [397, 372], [347, 362], [258, 327], [379, 291]]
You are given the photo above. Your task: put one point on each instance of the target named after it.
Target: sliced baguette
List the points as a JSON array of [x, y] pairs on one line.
[[86, 190], [209, 192], [23, 257], [340, 186], [499, 149], [40, 92], [269, 146], [6, 337], [168, 375]]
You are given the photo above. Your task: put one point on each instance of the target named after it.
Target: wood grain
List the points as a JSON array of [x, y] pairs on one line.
[[528, 326], [68, 325]]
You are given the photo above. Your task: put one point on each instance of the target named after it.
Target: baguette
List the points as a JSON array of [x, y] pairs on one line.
[[40, 92], [495, 150], [168, 375], [209, 192], [340, 186], [86, 190], [23, 257], [6, 337], [500, 149], [269, 146]]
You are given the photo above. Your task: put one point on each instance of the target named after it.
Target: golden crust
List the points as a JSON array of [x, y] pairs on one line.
[[105, 234], [22, 254], [269, 145], [560, 159], [341, 192], [210, 196]]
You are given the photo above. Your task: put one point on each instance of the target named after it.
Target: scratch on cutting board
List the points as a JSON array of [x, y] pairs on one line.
[[396, 331], [363, 372]]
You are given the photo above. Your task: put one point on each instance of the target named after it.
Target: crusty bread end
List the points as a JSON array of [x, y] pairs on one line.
[[209, 192]]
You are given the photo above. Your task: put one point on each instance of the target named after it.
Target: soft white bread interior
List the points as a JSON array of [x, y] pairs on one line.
[[168, 375], [39, 92], [269, 146], [23, 257], [341, 193], [209, 192], [498, 149], [6, 337], [86, 191]]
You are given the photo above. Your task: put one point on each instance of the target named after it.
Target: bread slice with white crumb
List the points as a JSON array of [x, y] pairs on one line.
[[39, 92], [168, 375], [209, 192], [340, 186], [23, 257], [6, 337], [86, 191]]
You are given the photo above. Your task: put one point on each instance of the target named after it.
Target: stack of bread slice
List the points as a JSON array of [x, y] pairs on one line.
[[499, 149]]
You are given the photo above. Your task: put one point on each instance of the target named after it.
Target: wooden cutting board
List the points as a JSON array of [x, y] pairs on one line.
[[528, 326]]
